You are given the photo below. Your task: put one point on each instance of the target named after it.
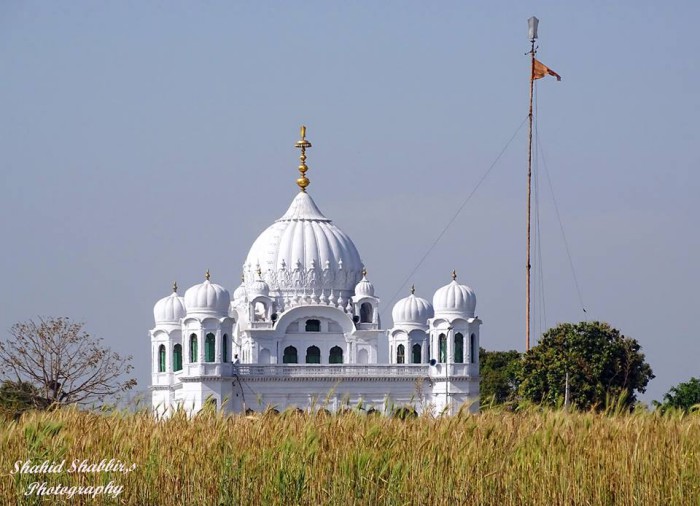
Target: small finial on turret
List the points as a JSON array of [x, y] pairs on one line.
[[413, 289], [175, 286], [454, 275], [302, 144], [259, 272], [364, 272], [207, 275], [242, 277]]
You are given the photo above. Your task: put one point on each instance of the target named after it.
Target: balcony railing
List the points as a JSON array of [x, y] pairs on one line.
[[335, 370], [339, 370]]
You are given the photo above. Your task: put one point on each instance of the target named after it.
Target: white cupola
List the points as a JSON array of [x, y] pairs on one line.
[[412, 310], [454, 300], [258, 287], [364, 288], [240, 293], [208, 298], [170, 309]]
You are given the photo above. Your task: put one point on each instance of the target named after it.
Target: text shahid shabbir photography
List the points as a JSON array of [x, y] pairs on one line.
[[41, 488]]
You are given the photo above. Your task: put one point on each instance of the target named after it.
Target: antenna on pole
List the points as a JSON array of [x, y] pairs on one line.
[[532, 33]]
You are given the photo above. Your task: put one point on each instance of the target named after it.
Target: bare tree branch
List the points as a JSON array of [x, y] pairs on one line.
[[63, 362]]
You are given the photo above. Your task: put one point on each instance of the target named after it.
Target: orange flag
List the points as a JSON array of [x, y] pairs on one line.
[[540, 70]]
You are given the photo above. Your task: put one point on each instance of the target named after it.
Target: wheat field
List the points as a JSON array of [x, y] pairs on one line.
[[533, 457]]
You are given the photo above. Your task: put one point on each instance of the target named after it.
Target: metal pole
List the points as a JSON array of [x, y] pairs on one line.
[[529, 197]]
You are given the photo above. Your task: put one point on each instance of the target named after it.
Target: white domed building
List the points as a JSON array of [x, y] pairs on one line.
[[303, 331]]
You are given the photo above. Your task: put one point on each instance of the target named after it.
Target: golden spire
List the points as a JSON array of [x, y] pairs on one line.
[[302, 144], [207, 275], [413, 289], [454, 275], [175, 286]]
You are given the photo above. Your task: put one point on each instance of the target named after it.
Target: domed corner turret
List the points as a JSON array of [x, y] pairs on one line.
[[240, 294], [408, 338], [364, 288], [170, 309], [365, 304], [454, 300], [258, 287], [207, 299], [412, 311]]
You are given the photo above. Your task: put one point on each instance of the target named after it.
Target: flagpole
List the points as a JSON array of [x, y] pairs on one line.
[[532, 22]]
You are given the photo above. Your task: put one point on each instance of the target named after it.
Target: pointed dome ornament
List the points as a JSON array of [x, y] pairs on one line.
[[302, 144], [174, 286], [454, 275], [207, 275]]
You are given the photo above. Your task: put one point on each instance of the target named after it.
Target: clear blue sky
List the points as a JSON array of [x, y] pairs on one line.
[[144, 142]]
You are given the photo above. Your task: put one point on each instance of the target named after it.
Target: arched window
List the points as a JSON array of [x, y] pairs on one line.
[[177, 358], [290, 355], [313, 326], [193, 348], [400, 354], [313, 355], [442, 342], [459, 348], [260, 311], [416, 354], [336, 355], [362, 356], [161, 358], [224, 348], [472, 349], [365, 312], [209, 346]]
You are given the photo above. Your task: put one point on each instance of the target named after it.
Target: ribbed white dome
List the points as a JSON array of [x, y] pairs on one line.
[[208, 298], [412, 310], [240, 292], [455, 299], [258, 287], [303, 250], [169, 309], [364, 288]]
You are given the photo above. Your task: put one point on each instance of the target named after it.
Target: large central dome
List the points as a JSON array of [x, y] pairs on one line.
[[304, 252]]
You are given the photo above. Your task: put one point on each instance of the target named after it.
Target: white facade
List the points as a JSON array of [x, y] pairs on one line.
[[303, 331]]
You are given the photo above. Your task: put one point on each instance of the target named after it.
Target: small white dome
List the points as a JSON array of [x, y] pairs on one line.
[[455, 299], [240, 292], [364, 288], [169, 309], [208, 298], [259, 287], [412, 310]]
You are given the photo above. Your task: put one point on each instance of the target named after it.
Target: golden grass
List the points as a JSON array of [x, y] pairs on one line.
[[534, 457]]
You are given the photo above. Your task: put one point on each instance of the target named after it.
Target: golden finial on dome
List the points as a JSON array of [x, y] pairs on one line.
[[364, 272], [175, 286], [302, 144], [207, 275], [259, 272], [454, 275], [413, 289]]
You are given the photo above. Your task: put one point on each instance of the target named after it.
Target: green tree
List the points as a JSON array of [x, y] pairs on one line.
[[602, 365], [62, 362], [500, 375], [16, 397], [683, 396]]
